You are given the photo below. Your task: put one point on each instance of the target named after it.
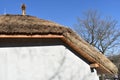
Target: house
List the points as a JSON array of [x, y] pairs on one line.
[[37, 49]]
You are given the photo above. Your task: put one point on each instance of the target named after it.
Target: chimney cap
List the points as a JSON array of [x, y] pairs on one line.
[[23, 7]]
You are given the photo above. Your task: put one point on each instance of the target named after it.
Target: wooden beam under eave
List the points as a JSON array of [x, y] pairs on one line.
[[94, 65], [31, 36], [81, 52]]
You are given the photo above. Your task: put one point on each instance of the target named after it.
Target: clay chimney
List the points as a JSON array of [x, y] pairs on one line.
[[23, 7]]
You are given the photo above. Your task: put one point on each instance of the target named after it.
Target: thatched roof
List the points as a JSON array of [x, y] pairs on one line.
[[18, 26]]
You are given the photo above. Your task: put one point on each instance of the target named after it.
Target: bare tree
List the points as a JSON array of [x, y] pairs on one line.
[[99, 32], [116, 60]]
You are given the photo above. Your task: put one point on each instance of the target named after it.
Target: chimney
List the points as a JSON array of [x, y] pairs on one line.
[[23, 7]]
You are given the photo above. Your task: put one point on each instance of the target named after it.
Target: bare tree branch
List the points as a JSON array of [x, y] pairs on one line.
[[101, 33]]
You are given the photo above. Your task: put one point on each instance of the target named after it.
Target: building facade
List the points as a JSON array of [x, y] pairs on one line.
[[37, 49]]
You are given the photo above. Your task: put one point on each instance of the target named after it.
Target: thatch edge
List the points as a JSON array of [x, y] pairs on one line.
[[91, 53]]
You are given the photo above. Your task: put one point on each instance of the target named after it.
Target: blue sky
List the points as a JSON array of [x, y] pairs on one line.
[[64, 12]]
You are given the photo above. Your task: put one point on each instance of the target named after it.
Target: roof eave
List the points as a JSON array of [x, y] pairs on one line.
[[68, 40]]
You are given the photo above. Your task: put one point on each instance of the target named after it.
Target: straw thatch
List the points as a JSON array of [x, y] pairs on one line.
[[28, 25], [18, 24]]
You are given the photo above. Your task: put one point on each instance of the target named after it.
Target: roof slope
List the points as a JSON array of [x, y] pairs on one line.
[[14, 25], [18, 24]]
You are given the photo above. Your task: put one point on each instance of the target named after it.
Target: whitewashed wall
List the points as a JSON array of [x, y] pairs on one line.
[[42, 63]]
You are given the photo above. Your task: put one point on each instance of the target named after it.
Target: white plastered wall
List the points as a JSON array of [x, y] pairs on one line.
[[43, 63]]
